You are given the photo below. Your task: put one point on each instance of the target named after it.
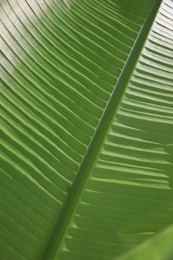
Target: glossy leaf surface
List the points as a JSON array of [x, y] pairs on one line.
[[87, 127]]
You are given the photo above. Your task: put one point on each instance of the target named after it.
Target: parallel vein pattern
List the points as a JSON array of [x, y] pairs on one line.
[[128, 196], [60, 63]]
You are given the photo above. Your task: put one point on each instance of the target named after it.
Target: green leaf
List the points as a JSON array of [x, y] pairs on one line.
[[157, 248], [87, 128]]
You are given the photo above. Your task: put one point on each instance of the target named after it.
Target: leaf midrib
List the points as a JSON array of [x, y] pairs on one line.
[[99, 137]]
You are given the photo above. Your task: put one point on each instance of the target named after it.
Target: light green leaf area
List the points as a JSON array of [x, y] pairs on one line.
[[87, 128], [157, 248]]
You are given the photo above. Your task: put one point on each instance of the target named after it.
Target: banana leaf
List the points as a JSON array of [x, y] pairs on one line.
[[86, 129], [158, 247]]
